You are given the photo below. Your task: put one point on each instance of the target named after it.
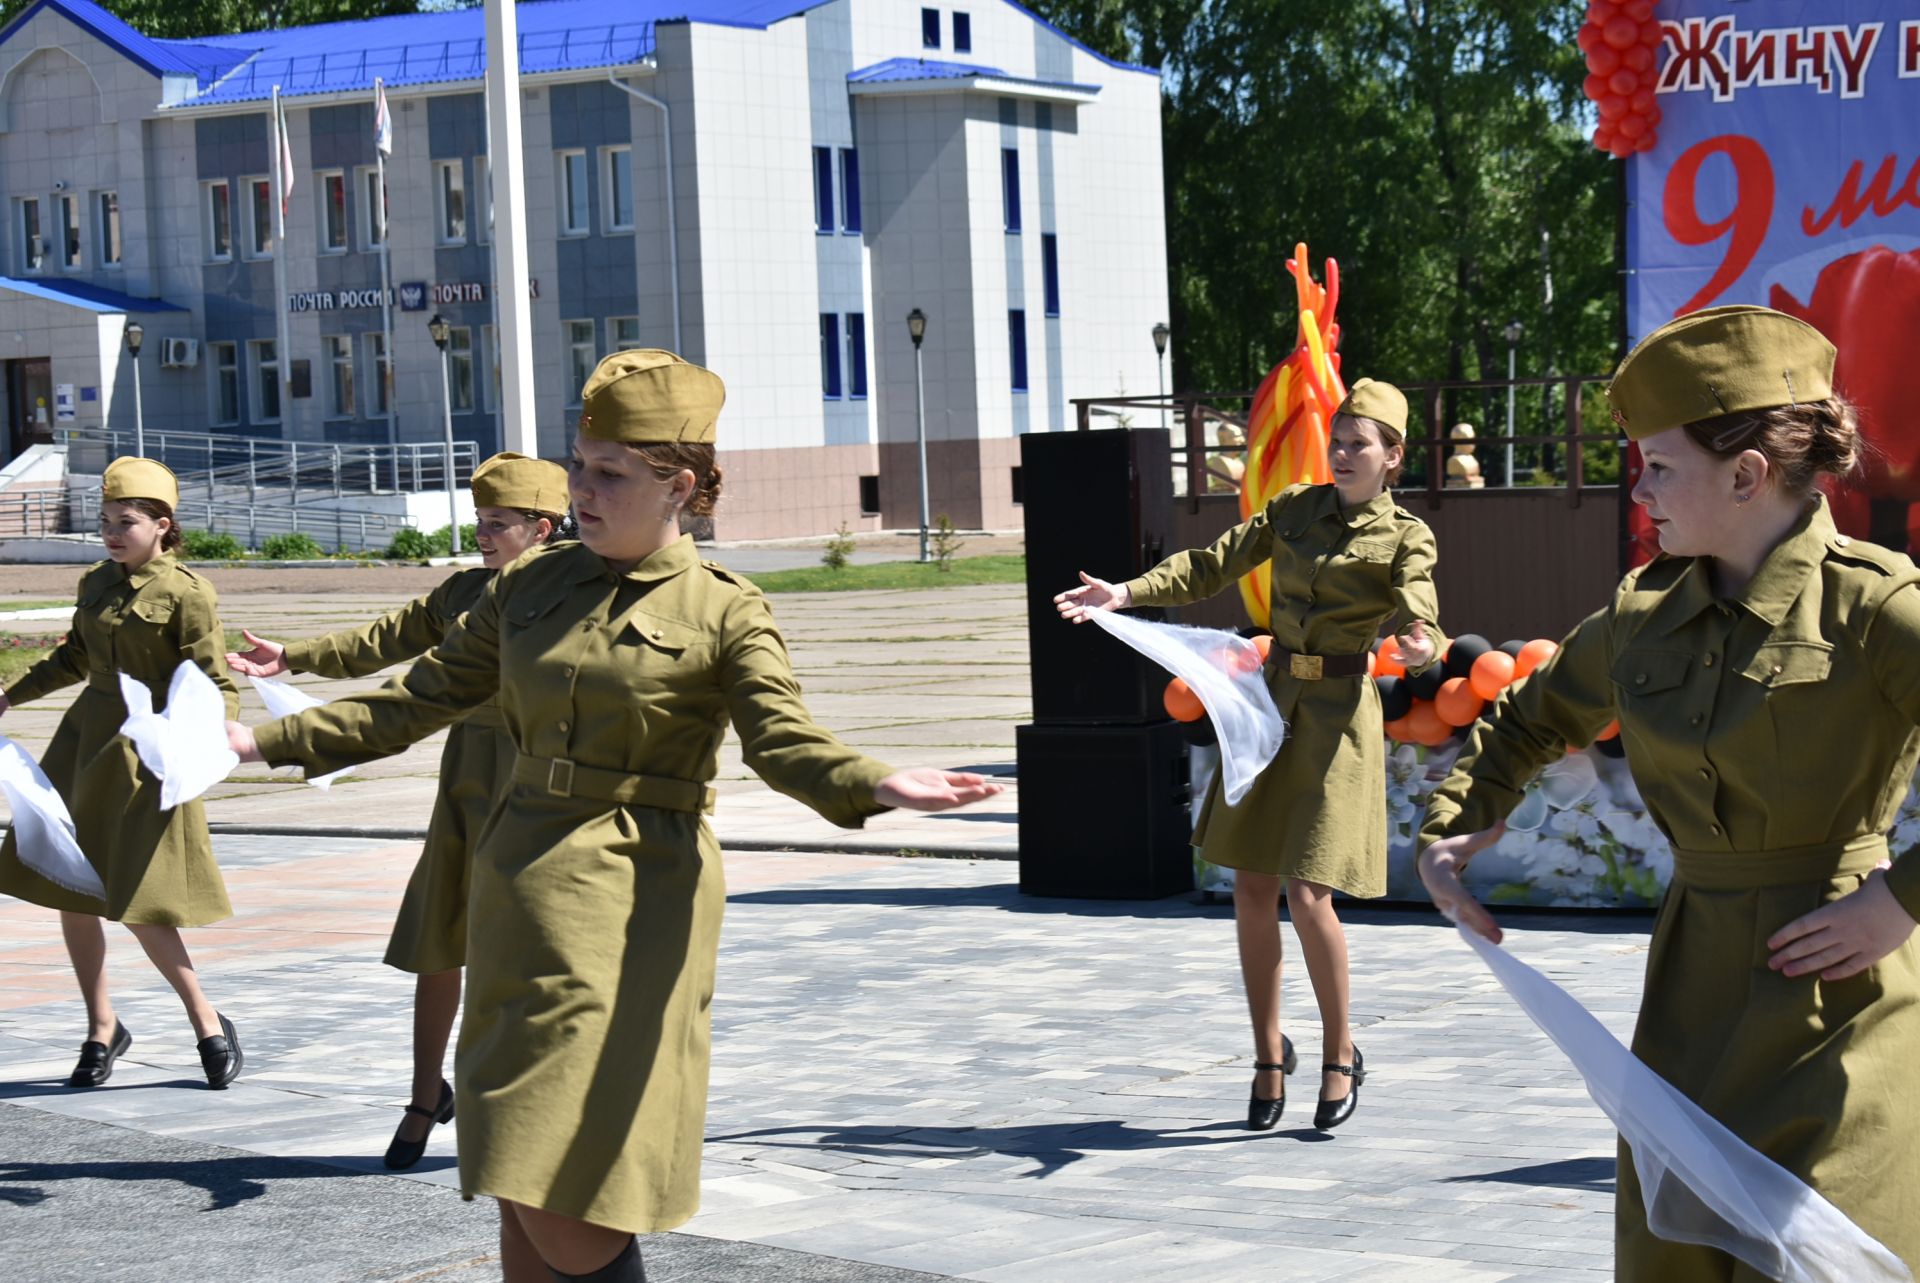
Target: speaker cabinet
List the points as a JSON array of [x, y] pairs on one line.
[[1101, 502], [1103, 811]]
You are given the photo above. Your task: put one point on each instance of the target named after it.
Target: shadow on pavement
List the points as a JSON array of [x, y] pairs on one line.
[[1567, 1173], [228, 1182]]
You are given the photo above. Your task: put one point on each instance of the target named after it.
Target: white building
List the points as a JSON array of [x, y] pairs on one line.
[[834, 166]]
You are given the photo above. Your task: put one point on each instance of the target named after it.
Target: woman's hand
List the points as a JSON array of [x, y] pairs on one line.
[[240, 740], [1416, 648], [1077, 605], [1440, 868], [266, 659], [925, 788], [1845, 937]]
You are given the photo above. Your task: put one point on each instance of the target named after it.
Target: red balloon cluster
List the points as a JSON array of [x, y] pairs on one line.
[[1621, 39], [1432, 708], [1183, 705]]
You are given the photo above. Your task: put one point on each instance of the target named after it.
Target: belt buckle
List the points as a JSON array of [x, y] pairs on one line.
[[1308, 668], [559, 784]]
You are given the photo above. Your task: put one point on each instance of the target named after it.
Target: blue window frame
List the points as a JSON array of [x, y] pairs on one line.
[[1050, 270], [849, 190], [830, 355], [962, 33], [1017, 337], [930, 28], [857, 355], [1010, 186], [823, 190]]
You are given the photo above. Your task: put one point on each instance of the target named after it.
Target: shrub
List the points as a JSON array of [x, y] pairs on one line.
[[945, 541], [409, 545], [292, 546], [442, 542], [839, 549], [209, 545]]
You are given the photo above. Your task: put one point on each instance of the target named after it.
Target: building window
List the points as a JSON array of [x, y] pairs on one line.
[[490, 354], [108, 203], [217, 222], [332, 189], [260, 224], [823, 190], [830, 355], [581, 357], [857, 355], [377, 364], [68, 208], [264, 356], [1010, 187], [623, 332], [616, 176], [1050, 270], [1017, 338], [224, 365], [575, 216], [460, 368], [870, 496], [849, 190], [930, 28], [483, 188], [340, 386], [962, 33], [373, 210], [450, 201], [33, 250]]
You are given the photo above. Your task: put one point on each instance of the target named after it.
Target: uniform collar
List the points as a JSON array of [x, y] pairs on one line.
[[1360, 514], [676, 558], [140, 578], [1783, 575]]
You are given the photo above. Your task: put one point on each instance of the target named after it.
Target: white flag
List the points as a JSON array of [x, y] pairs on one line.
[[42, 826], [283, 700], [186, 746], [382, 120], [286, 160]]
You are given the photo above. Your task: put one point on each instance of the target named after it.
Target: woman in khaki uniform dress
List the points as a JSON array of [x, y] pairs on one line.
[[142, 613], [519, 503], [618, 663], [1765, 672], [1345, 561]]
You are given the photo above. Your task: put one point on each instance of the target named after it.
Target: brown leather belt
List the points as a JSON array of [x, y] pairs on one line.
[[563, 778], [1312, 668]]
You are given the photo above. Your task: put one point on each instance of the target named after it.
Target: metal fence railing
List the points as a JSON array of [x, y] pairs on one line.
[[214, 461], [33, 513], [340, 528]]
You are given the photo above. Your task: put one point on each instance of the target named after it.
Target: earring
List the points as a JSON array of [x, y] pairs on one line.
[[1742, 498]]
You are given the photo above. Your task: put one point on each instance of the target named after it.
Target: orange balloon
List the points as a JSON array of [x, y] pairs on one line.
[[1532, 655], [1264, 644], [1456, 703], [1399, 730], [1425, 724], [1385, 665], [1491, 674], [1612, 729], [1182, 704]]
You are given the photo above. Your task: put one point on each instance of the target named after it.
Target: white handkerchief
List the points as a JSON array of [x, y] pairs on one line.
[[1225, 671], [283, 700], [1701, 1183], [42, 826], [186, 746]]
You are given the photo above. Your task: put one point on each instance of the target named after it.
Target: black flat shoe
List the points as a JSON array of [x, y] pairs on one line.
[[1263, 1115], [404, 1153], [1331, 1113], [220, 1055], [96, 1058]]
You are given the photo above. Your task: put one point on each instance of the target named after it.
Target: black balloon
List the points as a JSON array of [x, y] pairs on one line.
[[1610, 747], [1465, 649], [1396, 701], [1512, 648], [1427, 684]]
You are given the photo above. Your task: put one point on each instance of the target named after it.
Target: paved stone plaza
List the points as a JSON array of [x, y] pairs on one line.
[[917, 1072]]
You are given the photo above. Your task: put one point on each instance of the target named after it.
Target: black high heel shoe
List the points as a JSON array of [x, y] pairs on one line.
[[96, 1058], [404, 1153], [1263, 1115], [1331, 1113], [220, 1055]]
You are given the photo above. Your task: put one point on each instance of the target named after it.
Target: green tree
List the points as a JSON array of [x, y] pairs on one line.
[[172, 20]]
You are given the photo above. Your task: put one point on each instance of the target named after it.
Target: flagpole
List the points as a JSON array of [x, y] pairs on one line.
[[519, 429], [386, 274], [276, 143]]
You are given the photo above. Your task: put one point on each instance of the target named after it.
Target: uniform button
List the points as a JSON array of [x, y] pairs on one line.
[[1705, 774], [587, 627], [1639, 679], [657, 634], [569, 670], [1776, 670], [1696, 719], [1843, 541], [1714, 829], [562, 727], [1707, 662], [530, 613]]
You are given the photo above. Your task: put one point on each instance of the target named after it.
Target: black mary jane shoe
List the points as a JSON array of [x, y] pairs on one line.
[[404, 1153], [96, 1058], [1331, 1113], [1263, 1115], [220, 1055]]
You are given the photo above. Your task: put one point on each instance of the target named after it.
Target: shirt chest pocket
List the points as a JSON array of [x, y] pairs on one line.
[[1648, 674], [659, 648], [1365, 561], [1786, 664]]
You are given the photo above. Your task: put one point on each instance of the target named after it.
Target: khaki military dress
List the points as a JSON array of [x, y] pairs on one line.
[[1319, 810], [581, 1071], [430, 932], [157, 865], [1773, 737]]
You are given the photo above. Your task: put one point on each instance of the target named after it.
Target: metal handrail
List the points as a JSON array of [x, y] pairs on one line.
[[28, 513], [333, 468], [454, 59], [251, 521]]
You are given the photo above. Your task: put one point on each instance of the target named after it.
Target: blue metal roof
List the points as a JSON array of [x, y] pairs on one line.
[[908, 70], [204, 62], [93, 298]]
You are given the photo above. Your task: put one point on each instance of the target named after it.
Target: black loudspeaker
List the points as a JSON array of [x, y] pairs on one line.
[[1099, 502], [1103, 811]]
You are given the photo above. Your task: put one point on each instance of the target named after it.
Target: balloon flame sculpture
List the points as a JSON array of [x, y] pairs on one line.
[[1287, 428]]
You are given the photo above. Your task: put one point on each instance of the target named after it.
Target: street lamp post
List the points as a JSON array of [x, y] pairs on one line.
[[917, 330], [440, 331], [1513, 332], [136, 335], [1160, 335]]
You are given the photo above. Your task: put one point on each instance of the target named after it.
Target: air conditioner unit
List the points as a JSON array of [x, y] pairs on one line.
[[179, 353]]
